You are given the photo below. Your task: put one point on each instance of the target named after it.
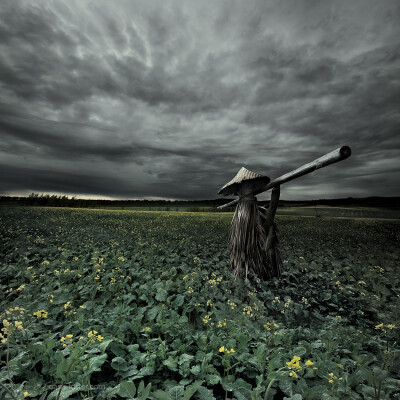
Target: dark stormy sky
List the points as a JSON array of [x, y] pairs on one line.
[[168, 99]]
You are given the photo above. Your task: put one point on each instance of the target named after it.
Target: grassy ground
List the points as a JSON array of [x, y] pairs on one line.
[[342, 212]]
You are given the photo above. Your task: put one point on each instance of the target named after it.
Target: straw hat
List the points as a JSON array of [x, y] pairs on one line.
[[243, 175]]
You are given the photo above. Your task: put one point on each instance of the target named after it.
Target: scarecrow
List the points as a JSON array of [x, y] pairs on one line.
[[253, 242]]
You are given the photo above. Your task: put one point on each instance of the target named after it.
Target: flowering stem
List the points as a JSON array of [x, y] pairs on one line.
[[8, 367], [8, 391], [270, 384]]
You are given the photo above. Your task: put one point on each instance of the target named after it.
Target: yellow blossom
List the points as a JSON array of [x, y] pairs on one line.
[[40, 314], [26, 394], [380, 326], [18, 324], [309, 363], [99, 338], [222, 349]]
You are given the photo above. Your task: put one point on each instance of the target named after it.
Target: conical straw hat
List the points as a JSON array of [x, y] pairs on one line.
[[243, 175]]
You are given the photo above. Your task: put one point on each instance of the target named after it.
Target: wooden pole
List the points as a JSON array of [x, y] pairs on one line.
[[334, 156]]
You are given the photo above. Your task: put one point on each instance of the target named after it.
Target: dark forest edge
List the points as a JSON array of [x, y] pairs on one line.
[[46, 200]]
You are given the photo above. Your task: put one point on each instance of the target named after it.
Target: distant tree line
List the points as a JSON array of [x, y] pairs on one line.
[[47, 200]]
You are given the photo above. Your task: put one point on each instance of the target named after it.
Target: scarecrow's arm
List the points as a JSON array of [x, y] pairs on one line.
[[334, 156]]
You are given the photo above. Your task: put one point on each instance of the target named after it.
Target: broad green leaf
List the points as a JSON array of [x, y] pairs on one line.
[[191, 390], [170, 363], [294, 397], [195, 370], [96, 362], [299, 351], [104, 344], [66, 392], [126, 389], [179, 300], [176, 393], [204, 394], [119, 364], [161, 295], [143, 392], [161, 395]]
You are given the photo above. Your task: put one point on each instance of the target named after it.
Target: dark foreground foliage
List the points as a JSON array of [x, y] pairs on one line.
[[107, 304]]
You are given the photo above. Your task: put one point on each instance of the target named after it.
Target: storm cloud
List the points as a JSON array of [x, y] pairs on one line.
[[168, 99]]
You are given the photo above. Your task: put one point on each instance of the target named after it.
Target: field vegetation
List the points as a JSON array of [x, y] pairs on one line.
[[105, 304]]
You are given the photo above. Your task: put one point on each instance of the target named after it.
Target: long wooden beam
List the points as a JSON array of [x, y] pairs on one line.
[[333, 157]]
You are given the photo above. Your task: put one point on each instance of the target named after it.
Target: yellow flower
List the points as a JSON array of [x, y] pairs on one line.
[[26, 394], [99, 338], [292, 373], [18, 324], [294, 363], [330, 381], [222, 349], [391, 326], [40, 314], [331, 374], [309, 363]]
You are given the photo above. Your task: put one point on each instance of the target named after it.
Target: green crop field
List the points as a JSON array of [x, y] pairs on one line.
[[107, 304]]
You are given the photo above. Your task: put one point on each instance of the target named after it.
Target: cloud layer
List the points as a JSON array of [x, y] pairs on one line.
[[133, 99]]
